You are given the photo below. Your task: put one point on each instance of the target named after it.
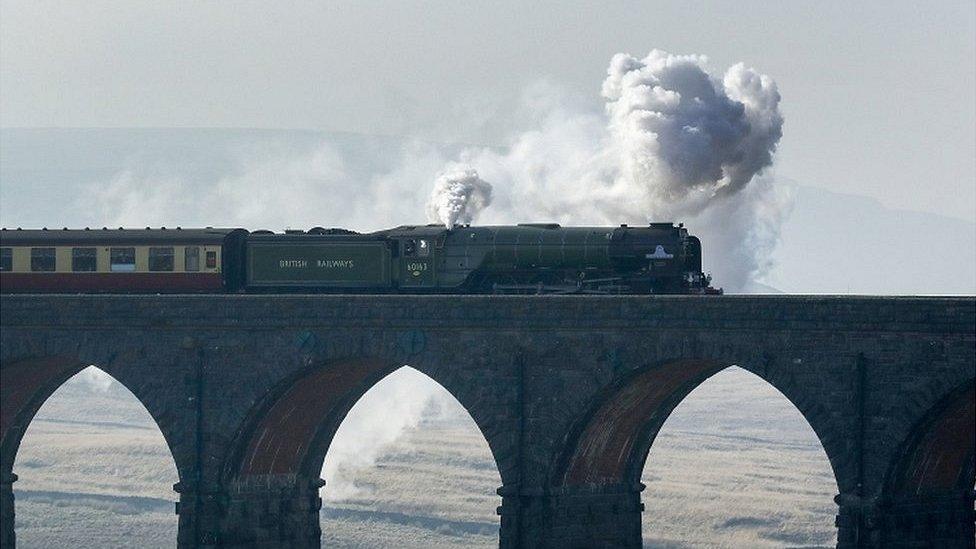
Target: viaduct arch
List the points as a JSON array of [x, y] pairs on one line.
[[569, 393], [284, 442], [87, 395], [25, 385]]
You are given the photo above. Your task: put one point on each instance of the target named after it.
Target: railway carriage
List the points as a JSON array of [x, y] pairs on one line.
[[120, 260], [536, 258]]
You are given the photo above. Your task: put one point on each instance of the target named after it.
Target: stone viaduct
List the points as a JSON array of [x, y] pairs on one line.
[[569, 393]]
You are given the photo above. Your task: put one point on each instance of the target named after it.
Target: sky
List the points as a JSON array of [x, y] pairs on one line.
[[879, 97]]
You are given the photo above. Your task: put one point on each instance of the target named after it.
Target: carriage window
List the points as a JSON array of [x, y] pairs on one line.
[[42, 259], [211, 260], [6, 259], [423, 248], [191, 255], [83, 259], [123, 260], [160, 259]]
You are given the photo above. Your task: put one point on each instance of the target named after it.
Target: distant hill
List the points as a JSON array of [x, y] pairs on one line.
[[833, 243], [840, 243]]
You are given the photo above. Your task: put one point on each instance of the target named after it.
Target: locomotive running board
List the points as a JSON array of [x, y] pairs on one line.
[[557, 290]]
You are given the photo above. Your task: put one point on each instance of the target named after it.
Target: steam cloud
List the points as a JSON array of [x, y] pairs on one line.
[[676, 143], [392, 406], [684, 137], [459, 195]]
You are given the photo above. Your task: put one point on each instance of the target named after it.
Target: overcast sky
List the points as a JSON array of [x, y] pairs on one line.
[[879, 99]]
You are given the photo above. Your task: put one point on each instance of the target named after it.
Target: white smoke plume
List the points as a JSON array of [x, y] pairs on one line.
[[677, 143], [273, 187], [682, 135], [397, 403], [459, 195]]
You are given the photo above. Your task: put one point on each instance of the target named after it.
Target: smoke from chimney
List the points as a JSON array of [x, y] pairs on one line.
[[459, 195]]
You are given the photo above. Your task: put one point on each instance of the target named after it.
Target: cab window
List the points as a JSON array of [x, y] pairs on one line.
[[191, 255], [83, 260], [6, 259], [410, 248], [161, 259], [122, 260], [43, 259], [423, 248]]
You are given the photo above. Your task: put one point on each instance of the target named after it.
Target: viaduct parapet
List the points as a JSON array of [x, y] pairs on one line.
[[569, 393]]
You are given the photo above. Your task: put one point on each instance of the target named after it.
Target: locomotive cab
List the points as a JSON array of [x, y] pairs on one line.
[[415, 251], [416, 262]]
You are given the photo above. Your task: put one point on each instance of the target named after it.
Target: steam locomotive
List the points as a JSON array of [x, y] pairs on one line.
[[531, 258]]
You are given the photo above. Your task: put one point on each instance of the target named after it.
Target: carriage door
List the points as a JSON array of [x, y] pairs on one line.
[[417, 262]]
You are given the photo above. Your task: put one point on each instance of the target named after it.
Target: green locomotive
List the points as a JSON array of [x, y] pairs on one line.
[[535, 258]]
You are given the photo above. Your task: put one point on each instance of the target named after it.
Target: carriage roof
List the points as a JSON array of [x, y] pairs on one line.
[[55, 237]]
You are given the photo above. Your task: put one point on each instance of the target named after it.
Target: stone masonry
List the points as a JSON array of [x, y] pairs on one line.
[[568, 391]]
